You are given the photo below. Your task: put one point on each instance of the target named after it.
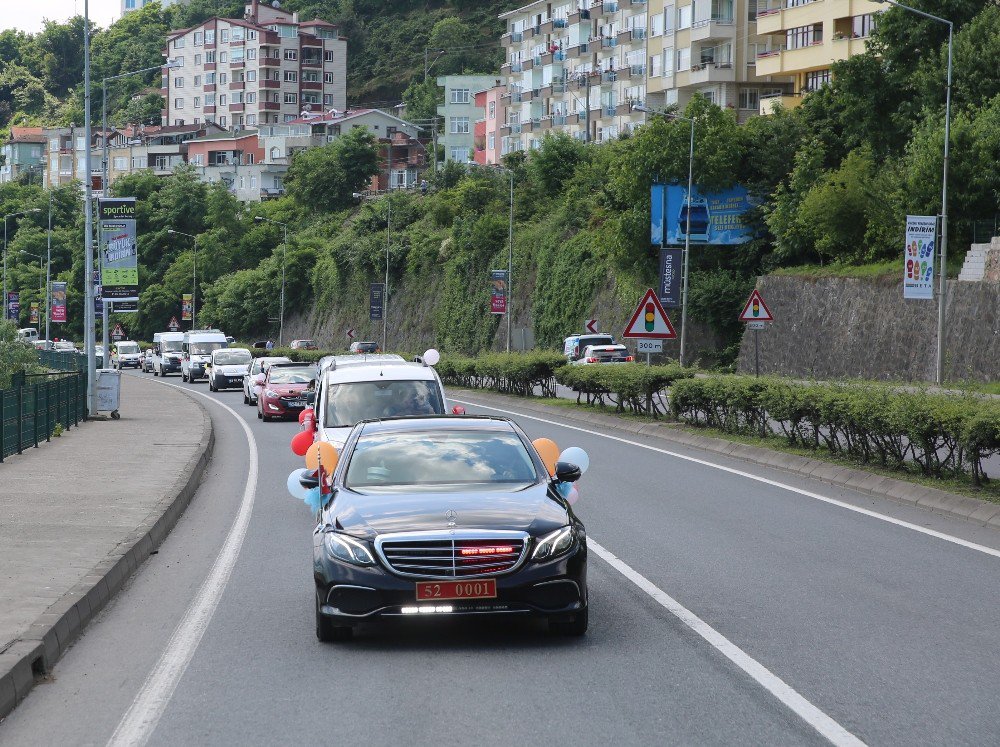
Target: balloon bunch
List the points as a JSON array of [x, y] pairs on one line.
[[321, 461], [550, 455]]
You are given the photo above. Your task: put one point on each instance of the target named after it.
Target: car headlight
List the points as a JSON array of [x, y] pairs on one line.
[[341, 547], [554, 544], [270, 393]]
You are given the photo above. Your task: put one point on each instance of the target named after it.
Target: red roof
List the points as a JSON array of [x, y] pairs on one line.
[[26, 135]]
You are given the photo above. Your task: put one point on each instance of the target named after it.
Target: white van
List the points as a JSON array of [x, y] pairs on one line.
[[196, 351], [167, 347], [28, 335]]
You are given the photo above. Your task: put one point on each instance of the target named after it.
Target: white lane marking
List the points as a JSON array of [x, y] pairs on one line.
[[139, 722], [817, 719], [784, 486]]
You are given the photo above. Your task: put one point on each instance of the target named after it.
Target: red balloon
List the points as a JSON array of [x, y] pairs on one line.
[[306, 413], [301, 443]]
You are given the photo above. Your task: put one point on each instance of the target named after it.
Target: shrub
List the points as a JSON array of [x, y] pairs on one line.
[[508, 373], [631, 387]]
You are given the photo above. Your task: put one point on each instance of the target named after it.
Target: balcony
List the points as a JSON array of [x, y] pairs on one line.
[[715, 28], [311, 85], [781, 61], [578, 50], [237, 85], [504, 130], [312, 62], [268, 83], [712, 72], [517, 67], [209, 88], [599, 8], [608, 77], [769, 104], [270, 106], [609, 111], [559, 120], [236, 64], [269, 62], [516, 37], [628, 36], [236, 107], [609, 42], [560, 23]]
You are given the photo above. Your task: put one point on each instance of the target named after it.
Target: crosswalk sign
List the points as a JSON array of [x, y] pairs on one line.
[[650, 321], [756, 310]]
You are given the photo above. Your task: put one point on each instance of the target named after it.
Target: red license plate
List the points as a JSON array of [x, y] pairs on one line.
[[485, 588]]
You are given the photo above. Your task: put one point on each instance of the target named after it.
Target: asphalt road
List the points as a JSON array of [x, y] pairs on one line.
[[739, 612]]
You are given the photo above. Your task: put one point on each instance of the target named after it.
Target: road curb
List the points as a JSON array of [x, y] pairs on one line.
[[31, 657], [937, 501]]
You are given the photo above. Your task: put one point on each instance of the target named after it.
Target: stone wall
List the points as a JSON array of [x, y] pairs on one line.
[[842, 327]]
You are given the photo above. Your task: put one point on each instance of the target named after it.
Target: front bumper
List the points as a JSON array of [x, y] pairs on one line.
[[279, 407], [228, 382], [351, 595]]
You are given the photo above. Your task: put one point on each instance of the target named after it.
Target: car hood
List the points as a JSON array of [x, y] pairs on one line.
[[366, 516], [232, 370], [282, 389]]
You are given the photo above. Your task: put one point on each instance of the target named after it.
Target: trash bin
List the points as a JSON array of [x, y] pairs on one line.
[[109, 384]]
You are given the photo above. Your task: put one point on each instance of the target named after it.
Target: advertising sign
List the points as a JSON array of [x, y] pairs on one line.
[[13, 305], [716, 218], [498, 291], [670, 277], [58, 303], [33, 317], [918, 256], [119, 252], [376, 302], [187, 306], [124, 307]]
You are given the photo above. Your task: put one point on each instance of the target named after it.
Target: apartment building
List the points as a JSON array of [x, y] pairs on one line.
[[129, 5], [265, 68], [807, 36], [23, 154], [65, 157], [488, 140], [459, 113], [584, 66], [159, 149]]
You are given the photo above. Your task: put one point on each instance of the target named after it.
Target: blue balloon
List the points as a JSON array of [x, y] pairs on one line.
[[294, 486]]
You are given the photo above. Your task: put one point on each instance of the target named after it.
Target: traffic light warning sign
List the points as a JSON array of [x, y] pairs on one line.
[[756, 310], [650, 321]]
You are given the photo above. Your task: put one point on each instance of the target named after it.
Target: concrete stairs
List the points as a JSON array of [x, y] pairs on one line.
[[974, 270]]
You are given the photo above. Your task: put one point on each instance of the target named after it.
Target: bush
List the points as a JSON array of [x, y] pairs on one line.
[[942, 434], [630, 387], [508, 373]]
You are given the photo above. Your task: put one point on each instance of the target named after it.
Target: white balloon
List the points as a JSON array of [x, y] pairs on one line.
[[431, 357], [294, 486], [576, 455]]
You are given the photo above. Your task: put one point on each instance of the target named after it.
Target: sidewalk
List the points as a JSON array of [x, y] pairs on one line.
[[80, 514]]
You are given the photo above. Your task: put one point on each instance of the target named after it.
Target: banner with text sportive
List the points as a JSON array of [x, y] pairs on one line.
[[918, 256], [119, 251], [58, 303]]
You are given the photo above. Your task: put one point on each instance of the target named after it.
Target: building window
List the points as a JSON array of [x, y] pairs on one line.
[[328, 56], [199, 38], [287, 31], [223, 99], [251, 54], [251, 34], [223, 35], [223, 57], [178, 123], [237, 55], [222, 121], [655, 66], [460, 95], [197, 61], [178, 103], [237, 33], [210, 36], [684, 17], [291, 76], [684, 58], [178, 82], [251, 119], [750, 99], [817, 78], [460, 154], [130, 4], [210, 57], [209, 99], [251, 97], [121, 163], [804, 36], [656, 25], [862, 26], [197, 81], [312, 98], [327, 99], [291, 54], [459, 125], [197, 102], [493, 110], [209, 79], [179, 43], [223, 78], [251, 76], [291, 98], [289, 117], [491, 141]]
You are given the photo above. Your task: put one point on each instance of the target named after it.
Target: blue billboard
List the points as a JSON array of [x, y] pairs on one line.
[[716, 218]]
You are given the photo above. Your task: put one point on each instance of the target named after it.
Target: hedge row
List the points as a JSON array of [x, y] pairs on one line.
[[631, 387], [945, 435], [509, 373]]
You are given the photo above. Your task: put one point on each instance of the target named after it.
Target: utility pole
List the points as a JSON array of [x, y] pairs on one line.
[[48, 273], [88, 260], [510, 262], [385, 291]]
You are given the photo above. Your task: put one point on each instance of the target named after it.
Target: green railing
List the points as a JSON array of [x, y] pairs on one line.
[[35, 403]]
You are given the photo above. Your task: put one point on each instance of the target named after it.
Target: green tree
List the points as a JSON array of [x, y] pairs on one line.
[[553, 164], [326, 178], [15, 356]]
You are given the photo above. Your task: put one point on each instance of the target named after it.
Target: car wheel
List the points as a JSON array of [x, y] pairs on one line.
[[575, 627], [155, 373], [211, 386], [246, 399], [327, 632], [260, 415]]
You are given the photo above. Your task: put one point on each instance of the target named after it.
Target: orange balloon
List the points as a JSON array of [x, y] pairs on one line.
[[548, 451], [324, 452], [301, 442]]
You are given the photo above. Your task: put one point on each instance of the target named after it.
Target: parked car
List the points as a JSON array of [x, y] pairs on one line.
[[596, 354], [283, 390], [126, 354], [304, 345], [251, 389], [365, 347], [446, 517], [147, 360], [227, 368]]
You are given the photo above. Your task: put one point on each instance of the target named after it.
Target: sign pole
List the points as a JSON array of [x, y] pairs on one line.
[[687, 248], [756, 352]]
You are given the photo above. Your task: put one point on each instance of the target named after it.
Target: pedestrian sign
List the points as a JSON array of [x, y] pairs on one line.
[[650, 321], [756, 310]]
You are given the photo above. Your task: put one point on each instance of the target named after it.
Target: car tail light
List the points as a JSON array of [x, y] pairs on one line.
[[629, 359], [593, 360]]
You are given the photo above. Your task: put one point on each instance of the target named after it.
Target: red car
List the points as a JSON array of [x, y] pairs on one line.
[[283, 391]]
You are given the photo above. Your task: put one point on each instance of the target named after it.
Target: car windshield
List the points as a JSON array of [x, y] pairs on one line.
[[307, 343], [292, 374], [350, 403], [366, 347], [205, 348], [232, 358], [128, 348], [440, 457], [171, 346], [593, 340]]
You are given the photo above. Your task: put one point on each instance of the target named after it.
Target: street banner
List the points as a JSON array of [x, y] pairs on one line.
[[13, 305], [498, 291], [716, 218], [376, 302], [918, 256], [186, 307], [33, 317], [124, 307], [119, 252], [670, 277], [58, 303]]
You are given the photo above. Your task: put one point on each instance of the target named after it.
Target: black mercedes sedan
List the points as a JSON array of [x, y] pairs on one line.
[[446, 516]]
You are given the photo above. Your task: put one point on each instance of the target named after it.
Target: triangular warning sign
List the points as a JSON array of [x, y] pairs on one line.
[[756, 310], [118, 330], [650, 321]]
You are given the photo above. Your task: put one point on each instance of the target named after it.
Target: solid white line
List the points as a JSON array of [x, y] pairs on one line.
[[750, 476], [817, 719], [139, 722]]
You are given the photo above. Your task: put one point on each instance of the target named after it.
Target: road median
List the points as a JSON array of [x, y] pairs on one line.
[[78, 517]]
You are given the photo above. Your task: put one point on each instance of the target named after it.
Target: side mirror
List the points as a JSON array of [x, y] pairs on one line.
[[458, 410], [566, 472], [309, 480]]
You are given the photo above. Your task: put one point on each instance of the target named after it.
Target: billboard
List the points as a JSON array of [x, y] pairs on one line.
[[498, 291], [13, 305], [58, 303], [671, 261], [119, 252], [715, 218], [918, 256]]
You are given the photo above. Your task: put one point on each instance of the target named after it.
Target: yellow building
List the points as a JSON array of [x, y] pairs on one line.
[[806, 37]]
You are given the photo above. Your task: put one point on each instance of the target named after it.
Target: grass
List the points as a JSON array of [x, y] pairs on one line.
[[837, 270]]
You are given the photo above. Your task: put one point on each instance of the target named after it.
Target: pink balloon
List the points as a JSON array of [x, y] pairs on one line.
[[574, 496]]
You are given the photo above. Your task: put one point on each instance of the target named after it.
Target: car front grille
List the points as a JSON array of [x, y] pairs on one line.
[[464, 554]]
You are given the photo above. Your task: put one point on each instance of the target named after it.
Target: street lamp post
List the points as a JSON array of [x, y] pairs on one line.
[[687, 229], [284, 248], [88, 230], [6, 311], [943, 280], [194, 273], [48, 271]]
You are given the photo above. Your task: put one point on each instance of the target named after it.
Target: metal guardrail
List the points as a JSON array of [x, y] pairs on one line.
[[35, 403]]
